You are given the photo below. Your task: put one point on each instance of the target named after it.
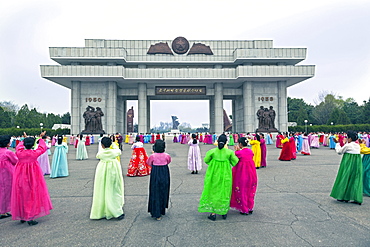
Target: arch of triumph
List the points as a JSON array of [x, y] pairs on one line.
[[107, 73]]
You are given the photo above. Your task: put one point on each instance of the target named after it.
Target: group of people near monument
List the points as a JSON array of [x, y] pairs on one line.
[[229, 182]]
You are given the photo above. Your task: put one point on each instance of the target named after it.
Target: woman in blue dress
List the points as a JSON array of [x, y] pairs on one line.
[[331, 141], [59, 165]]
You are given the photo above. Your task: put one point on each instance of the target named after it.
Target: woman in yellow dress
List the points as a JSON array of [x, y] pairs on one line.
[[256, 148], [115, 145]]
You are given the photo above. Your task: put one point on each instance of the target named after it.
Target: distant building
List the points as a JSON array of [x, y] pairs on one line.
[[61, 126]]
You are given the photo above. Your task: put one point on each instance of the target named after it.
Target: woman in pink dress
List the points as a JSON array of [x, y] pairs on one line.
[[8, 159], [244, 179], [87, 142], [263, 150], [279, 137], [194, 157], [30, 196], [293, 146]]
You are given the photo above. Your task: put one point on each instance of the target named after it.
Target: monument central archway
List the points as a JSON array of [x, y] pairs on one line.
[[107, 73]]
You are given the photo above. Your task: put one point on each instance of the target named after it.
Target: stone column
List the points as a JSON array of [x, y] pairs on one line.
[[282, 112], [248, 113], [233, 114], [212, 114], [219, 116], [111, 112], [142, 108], [148, 116], [76, 111]]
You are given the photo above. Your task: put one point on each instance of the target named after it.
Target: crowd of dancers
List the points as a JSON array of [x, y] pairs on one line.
[[229, 182]]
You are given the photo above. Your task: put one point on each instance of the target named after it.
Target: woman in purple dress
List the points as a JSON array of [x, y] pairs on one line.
[[194, 157], [8, 159], [263, 150], [244, 179]]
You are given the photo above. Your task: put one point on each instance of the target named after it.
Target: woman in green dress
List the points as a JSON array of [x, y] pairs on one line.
[[108, 193], [348, 185], [218, 180]]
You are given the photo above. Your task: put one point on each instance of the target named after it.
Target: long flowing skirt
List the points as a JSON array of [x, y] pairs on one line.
[[286, 152], [366, 169], [59, 164], [159, 191], [108, 196], [81, 153], [244, 187], [43, 160], [30, 196], [6, 180], [138, 165], [349, 182], [194, 159], [217, 189]]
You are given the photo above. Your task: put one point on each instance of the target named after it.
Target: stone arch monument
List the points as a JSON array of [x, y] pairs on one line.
[[107, 73]]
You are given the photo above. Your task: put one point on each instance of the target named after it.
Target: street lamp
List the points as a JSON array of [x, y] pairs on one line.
[[41, 124], [331, 123], [305, 125]]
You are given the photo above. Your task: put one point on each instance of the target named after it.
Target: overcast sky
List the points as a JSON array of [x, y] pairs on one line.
[[335, 33]]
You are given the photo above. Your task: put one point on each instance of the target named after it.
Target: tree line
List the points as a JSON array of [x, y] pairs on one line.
[[329, 110], [13, 116]]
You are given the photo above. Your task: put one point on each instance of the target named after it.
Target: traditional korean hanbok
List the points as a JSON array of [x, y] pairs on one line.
[[65, 139], [217, 181], [87, 142], [293, 147], [366, 167], [331, 142], [278, 141], [115, 145], [81, 152], [59, 164], [43, 160], [348, 184], [269, 139], [30, 197], [286, 151], [194, 157], [71, 140], [138, 165], [108, 196], [305, 146], [256, 148], [201, 137], [159, 184], [315, 141], [8, 159], [231, 140], [13, 142], [152, 139], [92, 139], [244, 183], [263, 152], [174, 139], [131, 139], [299, 143]]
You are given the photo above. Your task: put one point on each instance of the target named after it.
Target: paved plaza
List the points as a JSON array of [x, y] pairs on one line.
[[293, 208]]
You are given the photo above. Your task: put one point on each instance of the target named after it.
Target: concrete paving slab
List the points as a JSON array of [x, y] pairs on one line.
[[293, 208]]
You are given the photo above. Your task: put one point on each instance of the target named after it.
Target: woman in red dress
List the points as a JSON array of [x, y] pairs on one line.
[[286, 151], [138, 165]]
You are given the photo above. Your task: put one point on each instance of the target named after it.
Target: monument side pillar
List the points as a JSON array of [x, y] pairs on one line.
[[76, 107], [248, 113], [282, 107], [142, 108], [212, 114], [219, 113], [111, 115]]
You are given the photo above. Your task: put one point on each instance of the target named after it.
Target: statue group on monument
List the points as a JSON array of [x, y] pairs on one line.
[[266, 119], [93, 123]]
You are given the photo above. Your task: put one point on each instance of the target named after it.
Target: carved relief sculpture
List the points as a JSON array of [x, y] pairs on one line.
[[266, 119], [93, 123]]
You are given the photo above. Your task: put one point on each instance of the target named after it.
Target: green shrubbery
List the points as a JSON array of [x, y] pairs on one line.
[[33, 131], [332, 128]]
